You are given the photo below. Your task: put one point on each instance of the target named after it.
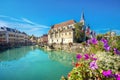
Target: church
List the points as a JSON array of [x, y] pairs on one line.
[[65, 32]]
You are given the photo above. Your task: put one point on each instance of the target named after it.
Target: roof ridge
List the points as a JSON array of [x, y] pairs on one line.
[[65, 23]]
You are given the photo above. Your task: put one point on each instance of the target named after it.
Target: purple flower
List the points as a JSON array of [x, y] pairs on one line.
[[86, 56], [106, 47], [116, 51], [104, 41], [94, 41], [118, 77], [93, 65], [88, 42], [107, 73], [78, 56], [92, 57]]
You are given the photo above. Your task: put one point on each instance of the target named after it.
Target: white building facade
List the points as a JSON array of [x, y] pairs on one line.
[[65, 32], [62, 33], [9, 35]]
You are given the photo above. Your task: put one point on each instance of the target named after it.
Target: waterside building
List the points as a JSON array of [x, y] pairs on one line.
[[65, 32], [12, 36]]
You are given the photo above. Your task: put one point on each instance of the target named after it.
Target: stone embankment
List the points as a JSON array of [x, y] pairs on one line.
[[74, 48], [5, 46]]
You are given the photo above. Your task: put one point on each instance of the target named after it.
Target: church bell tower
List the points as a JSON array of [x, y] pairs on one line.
[[82, 20]]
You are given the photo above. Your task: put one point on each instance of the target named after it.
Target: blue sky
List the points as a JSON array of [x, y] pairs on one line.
[[36, 16]]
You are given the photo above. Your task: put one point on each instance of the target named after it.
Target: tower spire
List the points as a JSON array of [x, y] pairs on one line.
[[82, 18], [82, 15]]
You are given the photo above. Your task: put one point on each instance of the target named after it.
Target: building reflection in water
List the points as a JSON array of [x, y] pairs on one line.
[[62, 57], [14, 54]]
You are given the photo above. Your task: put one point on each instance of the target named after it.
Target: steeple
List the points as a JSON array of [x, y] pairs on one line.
[[82, 18]]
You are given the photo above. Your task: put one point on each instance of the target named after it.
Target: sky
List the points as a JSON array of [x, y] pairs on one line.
[[37, 16]]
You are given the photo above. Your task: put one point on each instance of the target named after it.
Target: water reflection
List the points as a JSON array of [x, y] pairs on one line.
[[33, 63], [62, 57], [15, 54]]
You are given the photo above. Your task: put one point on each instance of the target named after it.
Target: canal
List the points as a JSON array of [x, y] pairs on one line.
[[33, 63]]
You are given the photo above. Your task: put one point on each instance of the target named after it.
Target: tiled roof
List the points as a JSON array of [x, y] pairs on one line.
[[11, 30], [64, 23]]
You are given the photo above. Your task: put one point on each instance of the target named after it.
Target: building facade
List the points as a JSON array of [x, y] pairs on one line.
[[62, 33], [9, 35], [43, 40], [65, 32]]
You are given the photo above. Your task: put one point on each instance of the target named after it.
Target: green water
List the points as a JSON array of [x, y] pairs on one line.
[[33, 63]]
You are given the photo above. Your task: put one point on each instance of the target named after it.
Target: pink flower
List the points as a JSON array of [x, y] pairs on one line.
[[86, 56], [78, 56], [107, 73], [93, 65], [118, 76]]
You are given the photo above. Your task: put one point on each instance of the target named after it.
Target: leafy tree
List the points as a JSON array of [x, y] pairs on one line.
[[79, 33], [100, 36]]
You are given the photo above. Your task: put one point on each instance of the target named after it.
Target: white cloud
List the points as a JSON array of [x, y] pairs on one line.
[[10, 18], [24, 24], [27, 21]]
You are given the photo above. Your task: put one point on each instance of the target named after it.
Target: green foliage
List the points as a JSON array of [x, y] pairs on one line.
[[118, 44], [108, 61], [96, 48], [82, 71], [100, 36], [79, 34], [78, 26]]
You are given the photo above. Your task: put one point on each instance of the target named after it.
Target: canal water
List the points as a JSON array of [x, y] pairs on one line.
[[33, 63]]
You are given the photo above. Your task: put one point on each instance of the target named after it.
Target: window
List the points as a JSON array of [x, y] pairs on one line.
[[69, 26], [65, 33]]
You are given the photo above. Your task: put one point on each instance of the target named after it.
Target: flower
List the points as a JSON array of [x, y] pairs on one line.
[[107, 73], [92, 57], [86, 56], [106, 47], [88, 42], [94, 41], [93, 65], [78, 56], [117, 76], [116, 51], [68, 75], [104, 41], [78, 64]]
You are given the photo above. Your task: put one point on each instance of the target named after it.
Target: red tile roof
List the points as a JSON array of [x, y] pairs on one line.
[[64, 23]]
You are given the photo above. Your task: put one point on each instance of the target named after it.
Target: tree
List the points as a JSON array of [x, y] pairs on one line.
[[79, 33], [100, 36]]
